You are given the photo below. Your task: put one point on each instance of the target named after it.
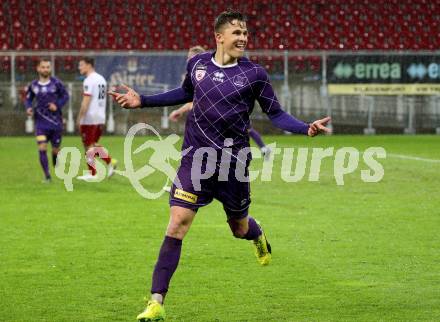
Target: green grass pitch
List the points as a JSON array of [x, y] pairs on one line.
[[358, 252]]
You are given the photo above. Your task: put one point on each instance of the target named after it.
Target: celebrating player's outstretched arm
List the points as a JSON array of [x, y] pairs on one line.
[[130, 99]]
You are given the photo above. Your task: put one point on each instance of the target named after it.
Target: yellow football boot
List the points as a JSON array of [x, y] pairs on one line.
[[154, 312], [263, 251]]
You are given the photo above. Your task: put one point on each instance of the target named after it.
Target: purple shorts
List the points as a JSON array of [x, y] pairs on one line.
[[192, 193], [49, 135]]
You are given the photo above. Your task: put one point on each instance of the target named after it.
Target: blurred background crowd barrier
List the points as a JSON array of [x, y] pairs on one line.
[[363, 91]]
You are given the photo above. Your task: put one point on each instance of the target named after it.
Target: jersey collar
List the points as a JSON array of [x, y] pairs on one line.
[[44, 84], [222, 66]]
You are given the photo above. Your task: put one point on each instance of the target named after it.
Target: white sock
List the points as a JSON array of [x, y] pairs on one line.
[[157, 297]]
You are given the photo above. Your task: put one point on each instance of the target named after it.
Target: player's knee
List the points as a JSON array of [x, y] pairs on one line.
[[239, 227], [180, 222], [88, 148], [239, 232], [176, 230], [176, 235], [91, 152], [94, 150], [42, 146]]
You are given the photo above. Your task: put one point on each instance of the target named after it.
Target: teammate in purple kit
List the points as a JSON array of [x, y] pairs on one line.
[[223, 86], [50, 95]]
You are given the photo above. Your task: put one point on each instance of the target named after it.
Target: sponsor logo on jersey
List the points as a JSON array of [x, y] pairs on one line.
[[43, 89], [183, 195], [239, 81], [219, 77]]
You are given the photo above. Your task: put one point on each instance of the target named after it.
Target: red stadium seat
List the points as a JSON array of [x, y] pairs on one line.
[[5, 63], [273, 24]]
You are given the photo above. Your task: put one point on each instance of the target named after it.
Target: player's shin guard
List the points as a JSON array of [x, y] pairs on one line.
[[166, 265], [256, 137], [254, 229], [44, 163]]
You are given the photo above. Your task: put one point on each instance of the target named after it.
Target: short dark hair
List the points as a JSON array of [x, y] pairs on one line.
[[227, 17], [42, 60], [88, 60]]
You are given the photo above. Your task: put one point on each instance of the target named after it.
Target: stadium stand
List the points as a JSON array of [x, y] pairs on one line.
[[276, 25], [165, 25]]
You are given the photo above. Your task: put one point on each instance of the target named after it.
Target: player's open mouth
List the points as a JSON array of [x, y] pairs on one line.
[[240, 46]]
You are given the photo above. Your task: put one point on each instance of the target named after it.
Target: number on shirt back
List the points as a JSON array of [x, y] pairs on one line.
[[101, 94]]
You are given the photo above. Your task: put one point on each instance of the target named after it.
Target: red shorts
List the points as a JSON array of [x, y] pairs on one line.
[[90, 133]]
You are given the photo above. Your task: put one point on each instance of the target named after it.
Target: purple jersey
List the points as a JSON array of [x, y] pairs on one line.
[[224, 97], [51, 92]]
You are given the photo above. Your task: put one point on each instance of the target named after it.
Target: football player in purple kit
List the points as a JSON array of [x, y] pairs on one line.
[[224, 86], [50, 95]]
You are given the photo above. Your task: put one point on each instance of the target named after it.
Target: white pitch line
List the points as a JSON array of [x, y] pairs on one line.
[[409, 157]]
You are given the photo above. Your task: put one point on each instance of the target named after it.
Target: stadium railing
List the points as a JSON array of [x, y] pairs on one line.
[[300, 78]]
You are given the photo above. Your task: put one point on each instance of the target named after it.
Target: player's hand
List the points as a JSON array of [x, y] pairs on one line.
[[52, 107], [318, 127], [130, 99], [29, 111], [175, 116]]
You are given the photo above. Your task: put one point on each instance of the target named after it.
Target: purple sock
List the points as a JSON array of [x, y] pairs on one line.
[[256, 137], [54, 159], [254, 230], [44, 163], [166, 264]]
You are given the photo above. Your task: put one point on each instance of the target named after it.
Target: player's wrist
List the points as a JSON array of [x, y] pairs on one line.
[[143, 100]]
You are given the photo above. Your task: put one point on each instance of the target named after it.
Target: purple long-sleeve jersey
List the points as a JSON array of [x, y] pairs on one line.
[[224, 97], [51, 92]]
